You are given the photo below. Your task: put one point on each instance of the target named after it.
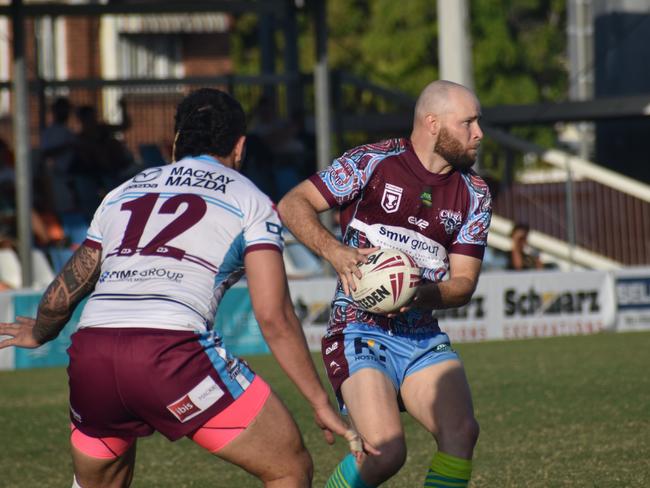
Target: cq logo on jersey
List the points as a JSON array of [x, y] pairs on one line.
[[451, 219], [147, 175], [391, 198]]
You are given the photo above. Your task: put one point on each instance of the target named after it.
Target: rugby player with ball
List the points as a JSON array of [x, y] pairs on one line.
[[417, 195]]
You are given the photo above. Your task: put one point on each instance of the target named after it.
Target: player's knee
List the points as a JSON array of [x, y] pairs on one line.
[[462, 433], [297, 471], [304, 463], [470, 430], [391, 459]]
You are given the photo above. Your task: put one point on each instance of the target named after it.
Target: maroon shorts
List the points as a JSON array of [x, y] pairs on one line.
[[132, 381]]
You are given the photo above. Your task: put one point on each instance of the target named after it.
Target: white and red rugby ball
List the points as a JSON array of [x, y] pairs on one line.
[[389, 280]]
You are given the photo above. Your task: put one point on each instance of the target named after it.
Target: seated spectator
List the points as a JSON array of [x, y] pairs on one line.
[[289, 144], [258, 166], [57, 149], [46, 227], [522, 256], [100, 158], [495, 259], [7, 196]]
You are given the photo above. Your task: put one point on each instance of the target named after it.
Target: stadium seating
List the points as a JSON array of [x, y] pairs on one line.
[[11, 269]]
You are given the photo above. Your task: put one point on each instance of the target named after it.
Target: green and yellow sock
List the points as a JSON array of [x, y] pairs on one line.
[[346, 475], [448, 471]]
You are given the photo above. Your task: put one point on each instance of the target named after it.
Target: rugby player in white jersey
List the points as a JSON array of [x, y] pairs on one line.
[[160, 252]]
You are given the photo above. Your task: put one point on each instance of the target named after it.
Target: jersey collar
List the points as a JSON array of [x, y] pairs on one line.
[[209, 159], [418, 169]]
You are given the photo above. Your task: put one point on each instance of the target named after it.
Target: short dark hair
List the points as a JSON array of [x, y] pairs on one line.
[[520, 226], [208, 121], [61, 109]]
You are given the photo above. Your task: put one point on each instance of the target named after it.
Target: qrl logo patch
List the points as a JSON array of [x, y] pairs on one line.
[[391, 199]]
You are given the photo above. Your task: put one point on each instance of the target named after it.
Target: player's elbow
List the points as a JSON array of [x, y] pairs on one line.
[[293, 202], [465, 292], [272, 321], [282, 206], [286, 204]]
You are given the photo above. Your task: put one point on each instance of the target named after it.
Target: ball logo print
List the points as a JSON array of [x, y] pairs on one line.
[[389, 281]]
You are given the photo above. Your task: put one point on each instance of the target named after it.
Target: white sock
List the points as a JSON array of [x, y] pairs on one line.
[[74, 482]]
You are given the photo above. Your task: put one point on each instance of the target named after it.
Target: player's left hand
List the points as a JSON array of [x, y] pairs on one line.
[[422, 299], [331, 423], [21, 332]]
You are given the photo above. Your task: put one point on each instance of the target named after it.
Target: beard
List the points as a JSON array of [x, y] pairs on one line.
[[452, 151]]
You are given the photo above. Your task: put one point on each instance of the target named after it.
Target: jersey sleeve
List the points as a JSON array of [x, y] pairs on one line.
[[346, 177], [471, 238], [94, 234], [262, 226]]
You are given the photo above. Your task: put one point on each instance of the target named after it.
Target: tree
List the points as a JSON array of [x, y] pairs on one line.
[[518, 49]]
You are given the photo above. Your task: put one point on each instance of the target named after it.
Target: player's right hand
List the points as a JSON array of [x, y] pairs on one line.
[[20, 332], [346, 261]]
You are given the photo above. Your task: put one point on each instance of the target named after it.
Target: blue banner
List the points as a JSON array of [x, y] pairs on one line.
[[54, 352], [237, 325], [235, 322]]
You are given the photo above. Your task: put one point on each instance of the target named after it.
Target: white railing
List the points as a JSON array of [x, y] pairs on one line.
[[578, 167], [595, 208]]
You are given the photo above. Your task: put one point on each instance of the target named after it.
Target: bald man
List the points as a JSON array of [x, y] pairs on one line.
[[418, 195]]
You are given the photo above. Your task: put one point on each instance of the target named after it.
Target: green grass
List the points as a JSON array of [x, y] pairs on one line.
[[560, 412]]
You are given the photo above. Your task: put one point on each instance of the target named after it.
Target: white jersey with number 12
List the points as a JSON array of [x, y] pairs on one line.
[[173, 240]]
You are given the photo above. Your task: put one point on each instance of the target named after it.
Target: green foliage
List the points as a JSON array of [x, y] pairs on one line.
[[518, 46], [518, 51], [565, 411]]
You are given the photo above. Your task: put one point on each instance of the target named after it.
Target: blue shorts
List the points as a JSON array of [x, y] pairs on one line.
[[361, 346]]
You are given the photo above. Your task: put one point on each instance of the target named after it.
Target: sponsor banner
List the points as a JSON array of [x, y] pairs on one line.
[[236, 323], [311, 300], [476, 321], [7, 315], [517, 305], [53, 353], [633, 299], [547, 303], [510, 305], [240, 331]]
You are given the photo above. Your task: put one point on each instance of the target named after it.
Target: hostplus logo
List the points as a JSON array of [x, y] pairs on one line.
[[365, 350]]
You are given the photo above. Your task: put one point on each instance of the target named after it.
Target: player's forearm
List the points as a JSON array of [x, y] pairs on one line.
[[49, 324], [302, 220], [455, 292], [54, 311], [72, 284], [289, 346]]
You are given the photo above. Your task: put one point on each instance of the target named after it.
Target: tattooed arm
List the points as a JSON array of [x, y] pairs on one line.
[[72, 284]]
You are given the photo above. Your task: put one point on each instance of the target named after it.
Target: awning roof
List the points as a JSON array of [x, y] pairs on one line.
[[173, 23]]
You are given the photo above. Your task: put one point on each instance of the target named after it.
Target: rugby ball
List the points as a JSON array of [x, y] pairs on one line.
[[389, 280]]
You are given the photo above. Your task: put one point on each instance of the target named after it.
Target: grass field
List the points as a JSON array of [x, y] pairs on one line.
[[560, 412]]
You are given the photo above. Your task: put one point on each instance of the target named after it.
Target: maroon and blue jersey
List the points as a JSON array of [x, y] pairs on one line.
[[389, 200]]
